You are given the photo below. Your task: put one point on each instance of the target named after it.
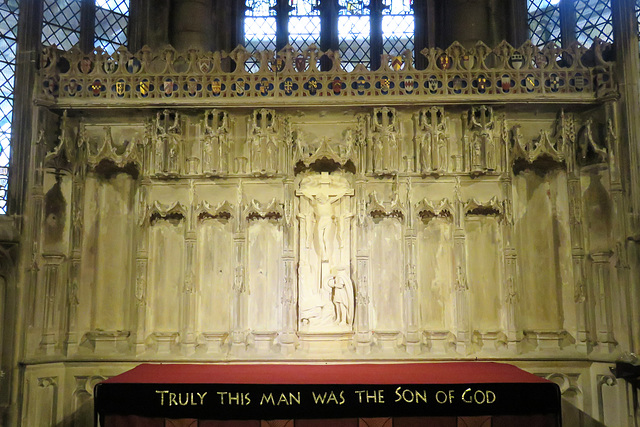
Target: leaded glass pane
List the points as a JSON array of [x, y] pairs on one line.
[[397, 26], [304, 24], [61, 24], [593, 19], [112, 18], [354, 32], [544, 21], [259, 28], [8, 36]]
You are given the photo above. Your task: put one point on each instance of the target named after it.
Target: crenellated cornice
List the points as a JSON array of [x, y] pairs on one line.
[[480, 74]]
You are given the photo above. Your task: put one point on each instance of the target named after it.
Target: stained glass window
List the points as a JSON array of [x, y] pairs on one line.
[[593, 19], [260, 25], [397, 26], [112, 17], [8, 39], [259, 28], [544, 21], [304, 25], [61, 24], [354, 31]]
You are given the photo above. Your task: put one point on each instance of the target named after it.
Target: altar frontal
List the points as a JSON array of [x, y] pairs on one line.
[[341, 395]]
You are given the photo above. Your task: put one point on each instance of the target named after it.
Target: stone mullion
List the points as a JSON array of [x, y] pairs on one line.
[[328, 30], [511, 288], [239, 286], [288, 336], [567, 22], [87, 25], [375, 11], [21, 162], [424, 30]]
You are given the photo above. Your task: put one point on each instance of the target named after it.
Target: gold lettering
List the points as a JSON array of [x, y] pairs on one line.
[[478, 401], [283, 399], [371, 396], [464, 394], [332, 396], [491, 395], [201, 396], [318, 397], [450, 396], [162, 392], [399, 398], [247, 398], [268, 398], [441, 396], [422, 396], [172, 399], [186, 400], [237, 398], [342, 398], [222, 393], [293, 398]]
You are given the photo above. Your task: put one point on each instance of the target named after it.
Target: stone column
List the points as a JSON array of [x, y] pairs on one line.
[[191, 25], [29, 30], [511, 286], [288, 338], [490, 21], [412, 303], [239, 286], [188, 334], [461, 285], [625, 31], [602, 295], [148, 24]]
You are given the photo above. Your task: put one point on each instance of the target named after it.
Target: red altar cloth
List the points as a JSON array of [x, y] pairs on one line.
[[390, 395], [401, 373]]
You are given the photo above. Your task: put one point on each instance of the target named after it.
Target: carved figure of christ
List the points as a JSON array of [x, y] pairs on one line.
[[322, 199]]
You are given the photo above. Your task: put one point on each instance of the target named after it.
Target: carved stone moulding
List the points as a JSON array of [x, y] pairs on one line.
[[325, 157], [547, 341], [428, 210], [222, 212], [174, 213], [393, 209], [255, 210], [107, 342], [491, 207]]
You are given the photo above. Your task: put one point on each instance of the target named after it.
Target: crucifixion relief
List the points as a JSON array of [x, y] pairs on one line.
[[326, 290]]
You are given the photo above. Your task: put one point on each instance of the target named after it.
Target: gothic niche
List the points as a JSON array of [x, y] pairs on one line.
[[432, 141], [216, 142], [479, 138], [167, 143], [384, 141], [262, 136]]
